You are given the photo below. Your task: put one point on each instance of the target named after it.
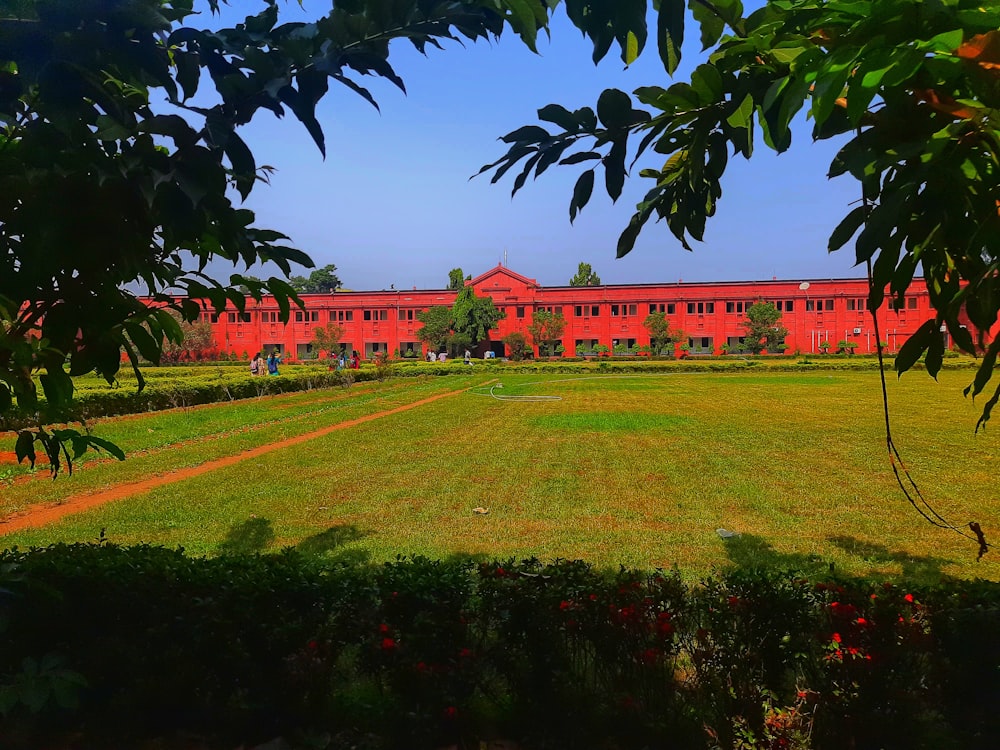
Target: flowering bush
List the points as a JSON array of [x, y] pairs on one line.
[[423, 653]]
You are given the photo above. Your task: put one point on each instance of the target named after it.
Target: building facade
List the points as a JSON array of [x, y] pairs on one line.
[[710, 315]]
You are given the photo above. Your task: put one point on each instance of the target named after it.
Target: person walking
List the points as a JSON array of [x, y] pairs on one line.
[[468, 357], [257, 364], [272, 363]]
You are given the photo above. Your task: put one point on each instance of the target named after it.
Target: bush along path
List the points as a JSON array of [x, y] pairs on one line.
[[108, 646], [35, 517]]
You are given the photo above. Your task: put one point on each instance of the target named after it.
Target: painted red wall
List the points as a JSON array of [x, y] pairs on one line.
[[512, 293]]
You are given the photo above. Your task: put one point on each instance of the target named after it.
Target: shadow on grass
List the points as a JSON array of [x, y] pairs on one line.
[[754, 553], [331, 543], [247, 538], [913, 567]]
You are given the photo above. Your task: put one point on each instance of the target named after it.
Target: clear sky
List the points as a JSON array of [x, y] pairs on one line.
[[393, 202]]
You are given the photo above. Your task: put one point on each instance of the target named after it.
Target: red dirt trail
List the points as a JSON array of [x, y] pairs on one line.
[[40, 516]]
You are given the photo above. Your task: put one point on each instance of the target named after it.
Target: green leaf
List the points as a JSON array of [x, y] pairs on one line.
[[935, 352], [58, 387], [670, 33], [846, 229], [914, 346], [712, 26], [527, 134], [614, 108], [581, 193], [6, 399], [24, 447], [560, 116], [614, 168], [740, 117]]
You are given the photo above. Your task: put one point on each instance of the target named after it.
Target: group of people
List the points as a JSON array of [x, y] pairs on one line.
[[343, 362], [261, 366], [467, 357]]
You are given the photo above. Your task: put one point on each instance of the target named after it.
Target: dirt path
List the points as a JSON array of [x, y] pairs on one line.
[[49, 513]]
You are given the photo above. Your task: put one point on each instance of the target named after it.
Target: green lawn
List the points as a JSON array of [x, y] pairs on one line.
[[639, 470]]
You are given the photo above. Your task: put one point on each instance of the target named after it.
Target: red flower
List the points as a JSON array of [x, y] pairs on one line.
[[836, 637], [733, 601], [650, 655], [593, 597], [451, 712], [388, 644], [383, 628], [909, 598], [862, 622], [501, 572], [465, 653], [421, 666], [564, 605], [312, 645]]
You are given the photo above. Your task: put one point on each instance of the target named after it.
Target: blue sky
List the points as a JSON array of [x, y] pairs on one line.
[[393, 202]]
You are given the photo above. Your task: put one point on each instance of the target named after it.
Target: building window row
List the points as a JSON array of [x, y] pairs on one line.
[[376, 315], [819, 305], [622, 311], [664, 307], [701, 308]]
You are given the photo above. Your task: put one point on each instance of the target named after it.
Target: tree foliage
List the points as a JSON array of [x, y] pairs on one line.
[[456, 279], [473, 317], [517, 345], [323, 279], [546, 330], [661, 336], [585, 276], [911, 90], [436, 326], [763, 328], [106, 186], [198, 341], [326, 338]]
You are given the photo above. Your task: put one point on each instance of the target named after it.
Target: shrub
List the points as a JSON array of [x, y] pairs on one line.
[[425, 653]]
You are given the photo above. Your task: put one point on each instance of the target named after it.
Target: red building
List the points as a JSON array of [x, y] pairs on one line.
[[710, 314]]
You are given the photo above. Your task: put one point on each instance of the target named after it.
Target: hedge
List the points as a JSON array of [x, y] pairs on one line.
[[109, 646]]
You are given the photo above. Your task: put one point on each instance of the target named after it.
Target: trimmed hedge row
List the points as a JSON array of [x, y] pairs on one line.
[[203, 388], [117, 646]]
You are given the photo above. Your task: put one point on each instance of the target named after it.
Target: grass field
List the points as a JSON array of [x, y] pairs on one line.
[[639, 470]]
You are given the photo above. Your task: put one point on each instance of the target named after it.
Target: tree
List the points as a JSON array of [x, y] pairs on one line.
[[104, 187], [473, 317], [764, 329], [517, 345], [456, 279], [585, 276], [198, 342], [326, 338], [910, 89], [660, 334], [546, 330], [437, 326], [323, 279]]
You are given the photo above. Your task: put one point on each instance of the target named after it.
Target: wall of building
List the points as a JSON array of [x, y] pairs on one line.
[[710, 314]]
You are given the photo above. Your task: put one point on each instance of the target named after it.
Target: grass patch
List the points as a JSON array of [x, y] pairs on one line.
[[639, 470]]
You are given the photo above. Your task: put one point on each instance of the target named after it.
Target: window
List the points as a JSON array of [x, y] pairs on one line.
[[215, 317], [239, 317], [616, 311], [520, 311], [406, 314], [818, 305], [368, 314], [857, 303], [911, 303], [578, 311], [595, 310], [633, 309], [737, 307], [342, 316], [269, 316], [670, 308], [789, 305], [307, 316], [701, 307]]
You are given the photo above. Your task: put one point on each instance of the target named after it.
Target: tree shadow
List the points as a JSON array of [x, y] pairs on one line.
[[332, 542], [250, 537], [923, 568], [754, 553]]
